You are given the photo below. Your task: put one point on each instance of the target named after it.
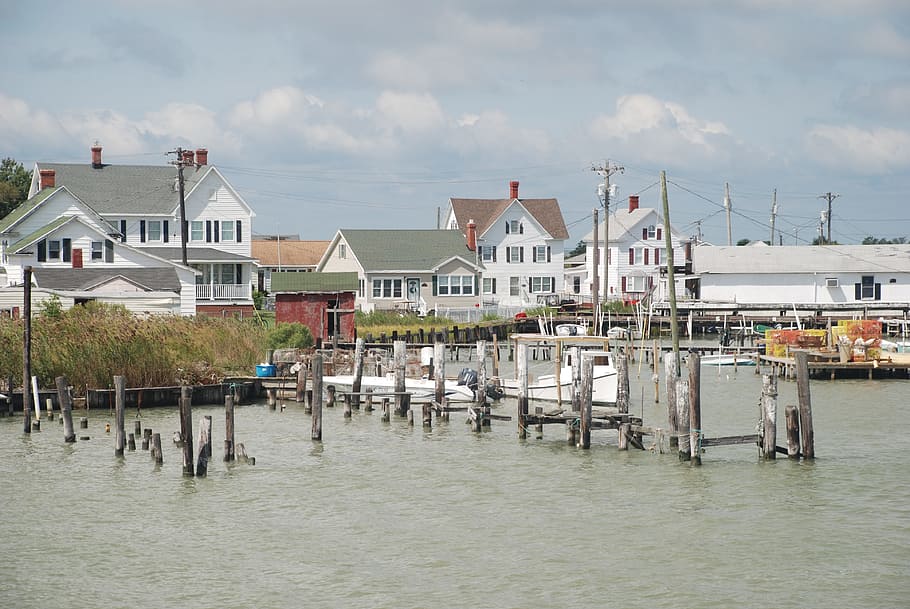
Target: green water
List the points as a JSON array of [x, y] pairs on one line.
[[386, 515]]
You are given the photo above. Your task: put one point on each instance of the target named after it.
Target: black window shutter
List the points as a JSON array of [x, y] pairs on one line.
[[216, 231], [142, 231], [494, 285], [507, 227], [239, 271], [67, 250], [166, 236], [42, 250], [239, 234], [494, 254], [644, 234], [521, 254], [521, 229], [123, 231], [435, 285], [858, 291], [552, 284], [108, 250], [658, 233], [548, 253], [208, 231], [878, 291], [534, 254]]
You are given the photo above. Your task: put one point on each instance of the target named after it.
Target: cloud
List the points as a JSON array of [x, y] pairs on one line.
[[410, 112], [867, 151], [131, 40], [20, 124], [890, 99]]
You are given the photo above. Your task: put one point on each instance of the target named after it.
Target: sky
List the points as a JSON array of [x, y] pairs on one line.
[[364, 114]]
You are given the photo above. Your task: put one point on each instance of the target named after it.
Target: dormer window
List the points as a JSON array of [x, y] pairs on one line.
[[652, 232], [515, 227]]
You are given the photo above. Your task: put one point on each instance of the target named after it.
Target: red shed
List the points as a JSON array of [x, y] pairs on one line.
[[324, 302]]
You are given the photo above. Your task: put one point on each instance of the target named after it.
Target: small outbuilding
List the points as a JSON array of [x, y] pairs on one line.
[[324, 302]]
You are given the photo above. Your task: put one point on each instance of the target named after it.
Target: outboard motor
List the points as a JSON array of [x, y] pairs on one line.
[[468, 377]]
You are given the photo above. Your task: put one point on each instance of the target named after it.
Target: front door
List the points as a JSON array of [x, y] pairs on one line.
[[77, 258], [413, 293]]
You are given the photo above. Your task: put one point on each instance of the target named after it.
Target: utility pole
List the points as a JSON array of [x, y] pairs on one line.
[[728, 205], [606, 170], [180, 163], [595, 280], [830, 196], [671, 279], [773, 213]]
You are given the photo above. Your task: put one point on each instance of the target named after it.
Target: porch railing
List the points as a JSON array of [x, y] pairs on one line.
[[224, 291]]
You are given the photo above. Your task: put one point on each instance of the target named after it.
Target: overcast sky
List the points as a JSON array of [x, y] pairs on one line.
[[366, 114]]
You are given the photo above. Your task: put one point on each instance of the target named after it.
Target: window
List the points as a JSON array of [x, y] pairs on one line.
[[97, 250], [514, 286], [541, 285], [541, 253], [515, 254], [515, 227], [830, 282], [639, 255], [867, 289], [53, 250], [657, 256], [489, 285], [227, 231], [360, 288], [196, 228], [488, 253], [153, 230], [387, 288], [652, 232], [576, 285], [455, 285], [342, 251], [635, 284]]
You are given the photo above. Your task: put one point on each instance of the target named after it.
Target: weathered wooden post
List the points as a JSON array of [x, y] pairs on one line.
[[368, 401], [186, 429], [671, 370], [9, 395], [205, 446], [622, 383], [693, 362], [439, 370], [347, 405], [385, 415], [316, 431], [792, 415], [587, 389], [131, 442], [330, 396], [271, 398], [682, 418], [576, 379], [480, 396], [229, 427], [357, 383], [402, 403], [807, 433], [521, 357], [157, 455], [26, 348], [300, 393], [120, 405], [66, 409], [427, 416], [769, 416], [655, 363], [495, 355]]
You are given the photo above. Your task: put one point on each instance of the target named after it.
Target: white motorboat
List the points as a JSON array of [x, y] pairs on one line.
[[729, 358], [419, 388]]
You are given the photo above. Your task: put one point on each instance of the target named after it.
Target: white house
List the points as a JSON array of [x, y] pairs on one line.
[[138, 207], [838, 276], [407, 270], [637, 255], [520, 243]]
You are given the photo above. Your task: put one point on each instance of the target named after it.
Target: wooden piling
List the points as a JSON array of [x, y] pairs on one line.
[[439, 369], [769, 416], [671, 371], [330, 396], [271, 398], [622, 383], [385, 415], [587, 388], [229, 427], [368, 401], [399, 350], [570, 433], [157, 455], [83, 423], [480, 396], [300, 393], [427, 416], [347, 405], [624, 433], [316, 430], [205, 446], [145, 442], [120, 405], [682, 418], [186, 429], [358, 372], [807, 433], [495, 356], [26, 348], [792, 415], [131, 441], [137, 427], [521, 357], [693, 362], [66, 409]]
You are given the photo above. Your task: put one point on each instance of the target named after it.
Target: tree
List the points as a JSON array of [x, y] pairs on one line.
[[744, 242], [577, 250], [14, 184], [870, 240], [823, 241]]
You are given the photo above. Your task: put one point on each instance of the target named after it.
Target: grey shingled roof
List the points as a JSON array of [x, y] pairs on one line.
[[713, 259], [314, 282], [485, 212], [406, 250], [124, 189], [194, 254], [153, 279]]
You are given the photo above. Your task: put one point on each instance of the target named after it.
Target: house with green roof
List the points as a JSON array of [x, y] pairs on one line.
[[324, 302], [138, 208], [407, 270]]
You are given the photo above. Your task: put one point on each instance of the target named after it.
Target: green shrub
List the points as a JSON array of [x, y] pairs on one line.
[[290, 336]]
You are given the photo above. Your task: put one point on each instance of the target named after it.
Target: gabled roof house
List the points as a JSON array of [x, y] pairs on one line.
[[406, 270], [120, 225]]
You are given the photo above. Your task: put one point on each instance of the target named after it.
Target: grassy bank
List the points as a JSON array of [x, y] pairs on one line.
[[91, 344]]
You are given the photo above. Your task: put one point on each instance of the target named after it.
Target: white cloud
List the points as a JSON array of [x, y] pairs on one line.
[[869, 151], [18, 121], [410, 112]]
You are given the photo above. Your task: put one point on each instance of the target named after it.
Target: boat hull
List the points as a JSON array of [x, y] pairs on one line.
[[420, 389], [545, 388]]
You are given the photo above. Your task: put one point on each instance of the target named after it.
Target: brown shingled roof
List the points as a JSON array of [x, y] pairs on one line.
[[485, 212], [293, 253]]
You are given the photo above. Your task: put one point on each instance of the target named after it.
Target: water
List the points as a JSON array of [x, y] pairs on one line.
[[383, 515]]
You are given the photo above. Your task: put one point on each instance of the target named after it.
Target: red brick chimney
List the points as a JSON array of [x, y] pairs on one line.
[[202, 156], [472, 235], [48, 178], [513, 189], [96, 156], [189, 157], [633, 203]]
